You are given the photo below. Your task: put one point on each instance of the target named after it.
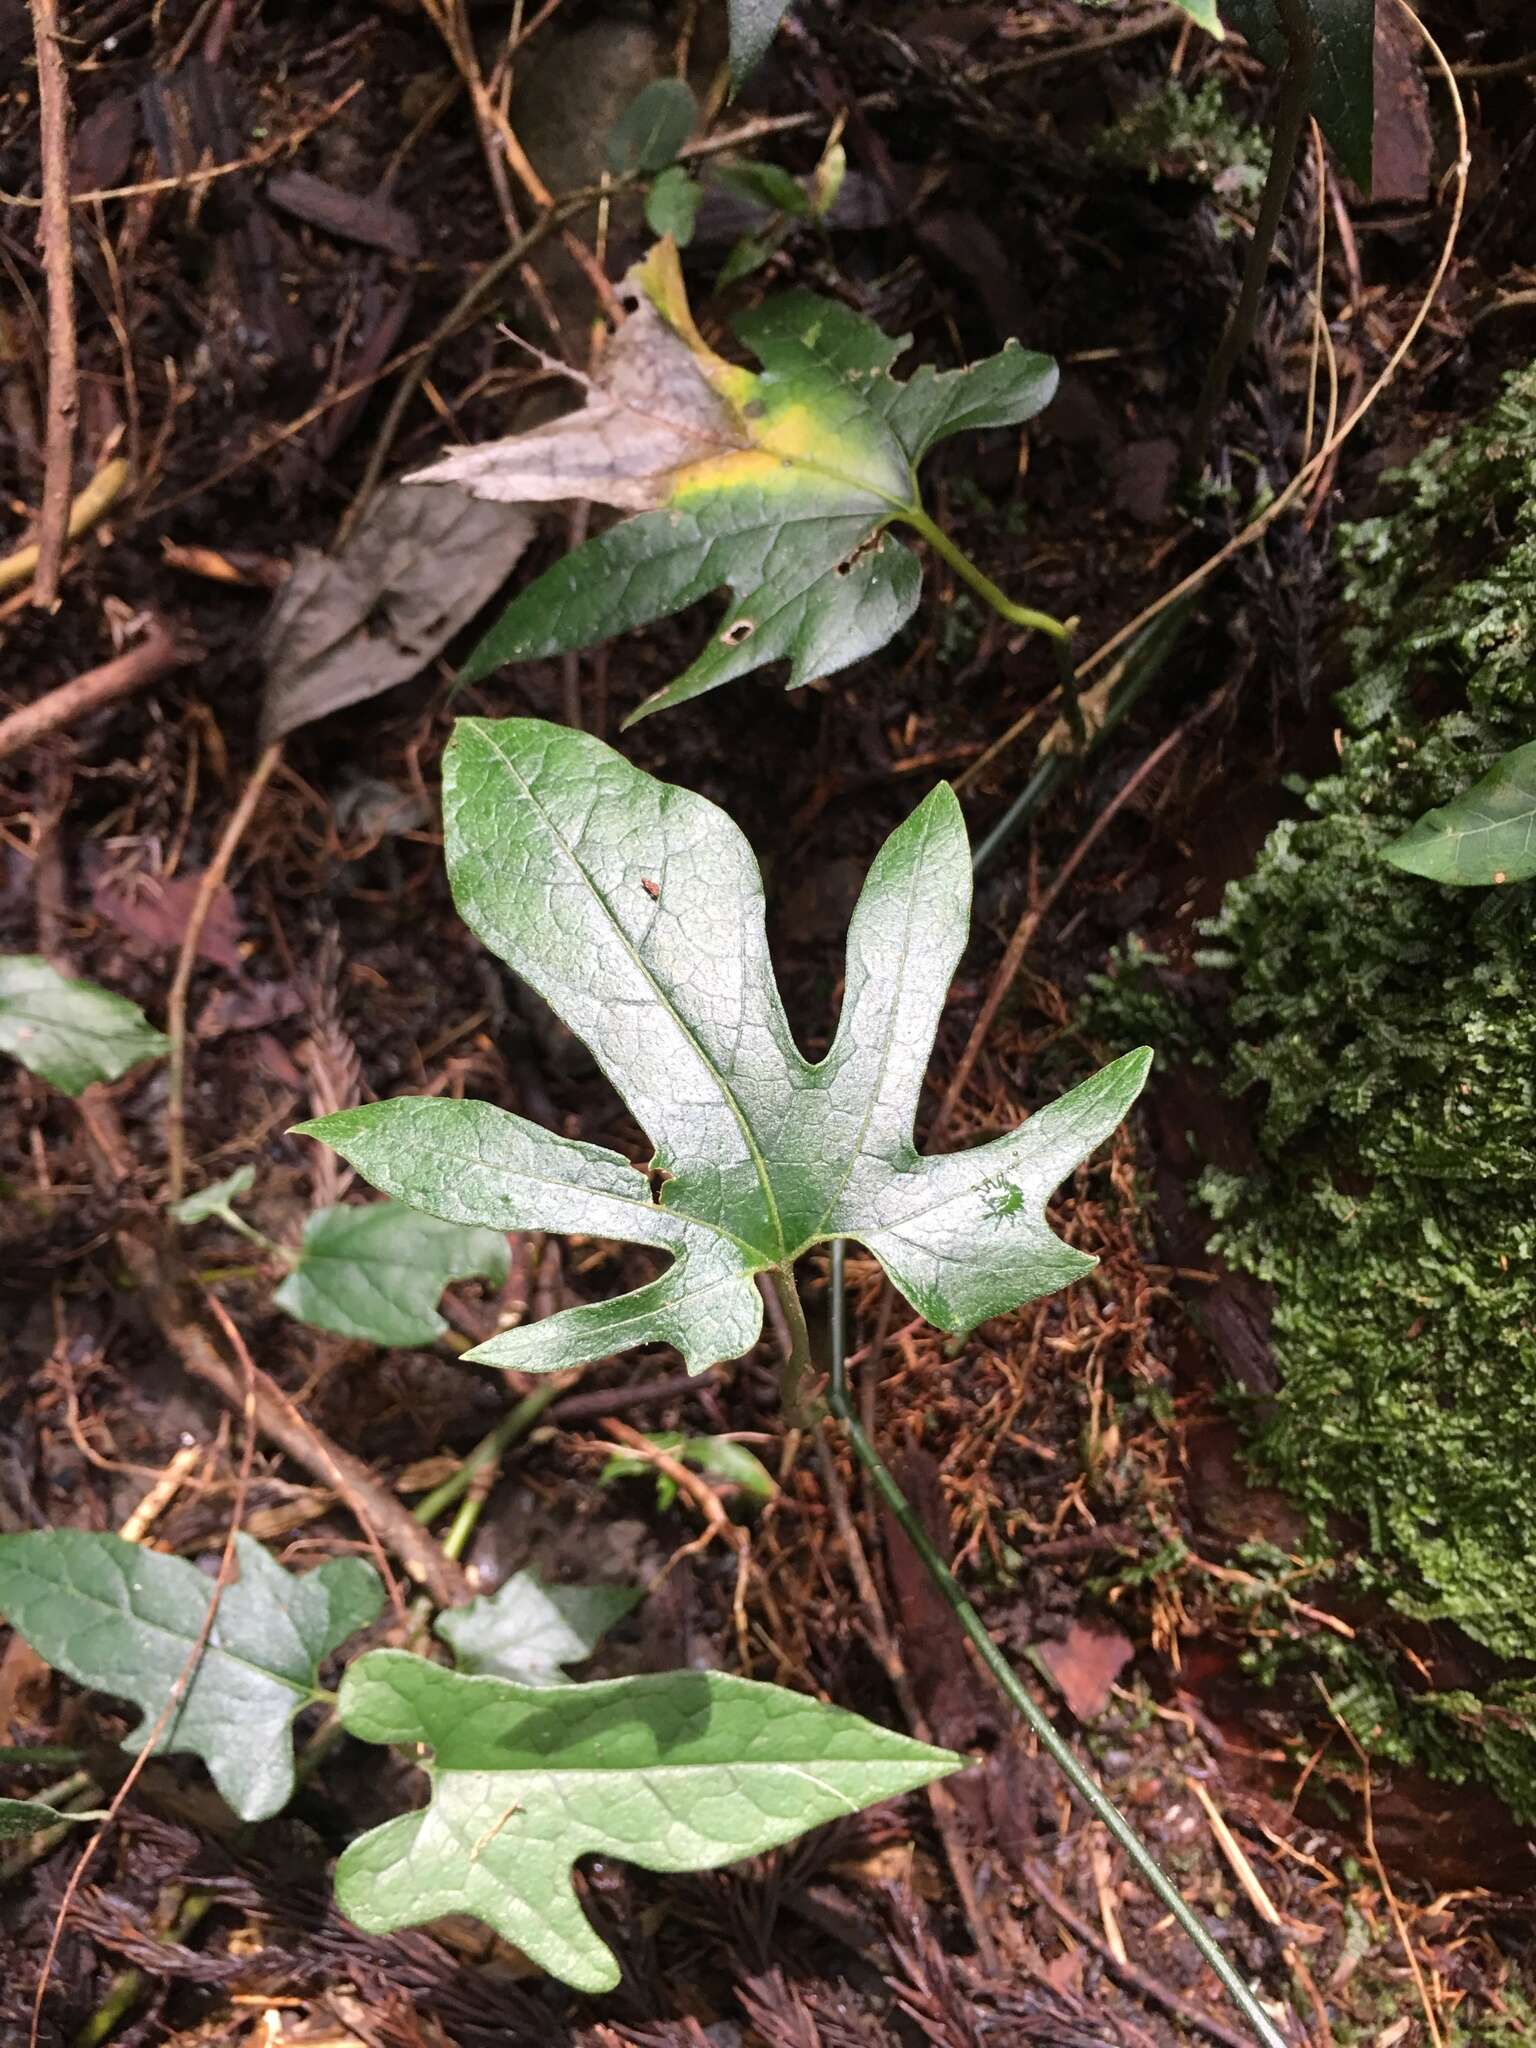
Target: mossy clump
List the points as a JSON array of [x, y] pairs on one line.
[[1392, 1024]]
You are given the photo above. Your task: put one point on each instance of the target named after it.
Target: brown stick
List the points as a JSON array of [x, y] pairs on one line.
[[58, 264], [176, 1002], [378, 1512], [160, 651]]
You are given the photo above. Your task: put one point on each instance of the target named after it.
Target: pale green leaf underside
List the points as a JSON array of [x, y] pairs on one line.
[[377, 1271], [30, 1817], [527, 1631], [70, 1033], [1485, 835], [679, 1771], [799, 537], [210, 1201], [635, 909], [125, 1621]]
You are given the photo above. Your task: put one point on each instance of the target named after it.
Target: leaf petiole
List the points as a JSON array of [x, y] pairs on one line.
[[1093, 1796], [1016, 614]]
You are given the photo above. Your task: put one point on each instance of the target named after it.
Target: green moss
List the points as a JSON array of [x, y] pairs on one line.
[[1387, 1026], [1195, 136]]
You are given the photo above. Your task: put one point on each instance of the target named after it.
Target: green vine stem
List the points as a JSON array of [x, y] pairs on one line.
[[1008, 1683], [984, 587]]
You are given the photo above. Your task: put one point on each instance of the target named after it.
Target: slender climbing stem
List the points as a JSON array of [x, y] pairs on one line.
[[984, 587], [1093, 1796], [1295, 100], [490, 1450]]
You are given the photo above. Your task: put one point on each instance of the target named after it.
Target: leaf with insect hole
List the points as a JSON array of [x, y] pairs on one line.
[[635, 910], [781, 485]]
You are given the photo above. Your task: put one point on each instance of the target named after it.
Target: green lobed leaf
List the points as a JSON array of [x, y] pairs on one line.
[[213, 1200], [653, 127], [780, 486], [527, 1631], [70, 1033], [635, 910], [679, 1771], [377, 1271], [1485, 835], [753, 25], [1344, 69], [30, 1817], [125, 1620]]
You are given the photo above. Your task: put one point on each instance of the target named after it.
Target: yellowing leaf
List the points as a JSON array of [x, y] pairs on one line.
[[779, 484]]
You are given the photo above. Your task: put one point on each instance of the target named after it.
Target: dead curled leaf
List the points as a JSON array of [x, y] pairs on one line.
[[650, 412], [348, 626]]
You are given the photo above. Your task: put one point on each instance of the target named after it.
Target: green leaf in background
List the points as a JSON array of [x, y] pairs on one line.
[[780, 485], [684, 1770], [653, 127], [1203, 14], [1344, 70], [672, 205], [754, 24], [214, 1200], [721, 1457], [377, 1271], [70, 1033], [1485, 835], [766, 185], [527, 1631], [31, 1817], [125, 1621], [635, 909]]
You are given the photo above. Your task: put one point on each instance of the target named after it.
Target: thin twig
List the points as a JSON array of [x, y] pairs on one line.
[[1032, 919], [1295, 99], [59, 266], [174, 1697], [161, 650], [176, 1002], [1307, 475], [1003, 1675]]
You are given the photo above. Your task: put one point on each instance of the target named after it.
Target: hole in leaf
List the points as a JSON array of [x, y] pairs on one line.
[[743, 629]]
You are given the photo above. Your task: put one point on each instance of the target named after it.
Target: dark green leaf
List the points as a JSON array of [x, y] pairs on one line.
[[672, 205], [653, 127], [1486, 835], [681, 1771], [635, 909], [126, 1621], [753, 26], [377, 1271], [71, 1033], [527, 1631], [719, 1456], [1344, 70], [766, 185]]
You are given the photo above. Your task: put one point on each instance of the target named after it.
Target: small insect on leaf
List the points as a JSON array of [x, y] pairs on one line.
[[652, 889]]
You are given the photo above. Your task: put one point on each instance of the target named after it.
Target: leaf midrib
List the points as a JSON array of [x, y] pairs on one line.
[[749, 1137]]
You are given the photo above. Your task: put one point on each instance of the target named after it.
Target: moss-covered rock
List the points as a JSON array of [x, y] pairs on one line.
[[1392, 1023]]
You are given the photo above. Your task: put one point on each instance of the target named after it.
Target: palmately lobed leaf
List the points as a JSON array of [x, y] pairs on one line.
[[780, 485], [678, 1771], [635, 910], [126, 1621]]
